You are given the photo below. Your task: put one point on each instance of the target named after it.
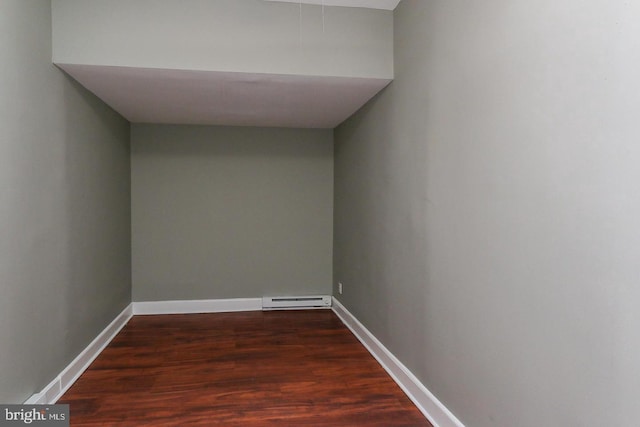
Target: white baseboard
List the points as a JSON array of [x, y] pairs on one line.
[[56, 388], [426, 402], [197, 306]]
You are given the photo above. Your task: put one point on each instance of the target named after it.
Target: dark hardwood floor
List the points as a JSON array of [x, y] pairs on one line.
[[281, 368]]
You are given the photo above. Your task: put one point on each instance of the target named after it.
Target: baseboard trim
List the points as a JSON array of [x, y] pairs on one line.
[[69, 375], [197, 306], [56, 388], [427, 403]]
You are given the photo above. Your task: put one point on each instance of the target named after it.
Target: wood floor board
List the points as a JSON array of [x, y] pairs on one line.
[[281, 368]]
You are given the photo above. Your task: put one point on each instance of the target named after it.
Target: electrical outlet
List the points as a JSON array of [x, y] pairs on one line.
[[340, 288]]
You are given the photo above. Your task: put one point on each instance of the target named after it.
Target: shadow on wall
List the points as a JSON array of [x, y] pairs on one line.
[[98, 211]]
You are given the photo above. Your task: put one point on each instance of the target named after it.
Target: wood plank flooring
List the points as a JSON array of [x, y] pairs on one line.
[[282, 368]]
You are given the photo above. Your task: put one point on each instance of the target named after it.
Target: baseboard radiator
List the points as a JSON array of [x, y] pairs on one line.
[[296, 303]]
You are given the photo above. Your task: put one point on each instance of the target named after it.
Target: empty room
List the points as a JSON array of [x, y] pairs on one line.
[[319, 213]]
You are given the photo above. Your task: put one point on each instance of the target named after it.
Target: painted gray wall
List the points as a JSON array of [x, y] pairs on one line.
[[223, 212], [487, 205], [251, 36], [64, 208]]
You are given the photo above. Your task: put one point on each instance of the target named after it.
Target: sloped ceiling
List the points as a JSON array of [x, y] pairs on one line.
[[195, 96], [147, 95]]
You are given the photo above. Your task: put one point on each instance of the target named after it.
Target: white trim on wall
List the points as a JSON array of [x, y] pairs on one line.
[[69, 375], [371, 4], [56, 388], [197, 306], [427, 403]]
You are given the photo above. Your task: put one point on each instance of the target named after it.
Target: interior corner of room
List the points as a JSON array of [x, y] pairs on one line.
[[459, 181]]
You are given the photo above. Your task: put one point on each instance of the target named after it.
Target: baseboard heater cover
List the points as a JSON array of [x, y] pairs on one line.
[[296, 303]]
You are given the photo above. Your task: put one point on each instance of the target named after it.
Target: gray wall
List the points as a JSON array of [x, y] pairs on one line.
[[251, 36], [487, 205], [64, 208], [222, 212]]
